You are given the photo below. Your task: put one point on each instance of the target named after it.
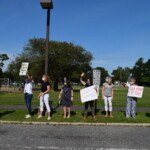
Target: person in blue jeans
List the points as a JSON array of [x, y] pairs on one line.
[[28, 94], [131, 101]]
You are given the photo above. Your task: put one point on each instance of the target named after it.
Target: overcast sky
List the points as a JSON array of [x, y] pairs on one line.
[[116, 32]]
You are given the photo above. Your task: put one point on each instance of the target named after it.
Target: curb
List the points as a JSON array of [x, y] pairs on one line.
[[79, 123]]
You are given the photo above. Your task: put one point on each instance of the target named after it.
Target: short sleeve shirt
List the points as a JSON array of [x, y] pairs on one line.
[[108, 89], [44, 86]]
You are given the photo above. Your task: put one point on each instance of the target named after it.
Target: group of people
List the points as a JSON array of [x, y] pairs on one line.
[[66, 97]]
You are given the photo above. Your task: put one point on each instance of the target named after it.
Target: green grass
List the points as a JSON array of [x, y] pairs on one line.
[[18, 115], [16, 98]]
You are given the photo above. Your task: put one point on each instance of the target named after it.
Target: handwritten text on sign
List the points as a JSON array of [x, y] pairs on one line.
[[135, 91], [88, 94]]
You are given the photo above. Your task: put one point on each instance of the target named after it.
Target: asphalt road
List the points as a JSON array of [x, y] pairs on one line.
[[55, 137]]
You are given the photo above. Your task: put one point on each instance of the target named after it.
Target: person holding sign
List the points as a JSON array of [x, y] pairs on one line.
[[131, 101], [44, 96], [66, 96], [91, 103], [107, 95], [28, 94]]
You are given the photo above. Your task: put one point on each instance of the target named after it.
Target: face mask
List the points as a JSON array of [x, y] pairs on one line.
[[106, 80], [131, 83], [43, 79]]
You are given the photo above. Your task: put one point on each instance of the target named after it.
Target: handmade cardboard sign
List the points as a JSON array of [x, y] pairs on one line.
[[135, 91], [88, 94], [24, 69]]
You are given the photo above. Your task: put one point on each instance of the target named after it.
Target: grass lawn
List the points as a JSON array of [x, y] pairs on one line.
[[57, 116], [16, 98], [12, 98]]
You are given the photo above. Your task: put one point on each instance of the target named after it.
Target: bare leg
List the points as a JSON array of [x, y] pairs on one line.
[[111, 114], [106, 114], [49, 114], [64, 111], [68, 112]]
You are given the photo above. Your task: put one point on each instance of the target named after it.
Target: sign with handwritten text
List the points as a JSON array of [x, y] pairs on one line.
[[135, 91], [88, 94]]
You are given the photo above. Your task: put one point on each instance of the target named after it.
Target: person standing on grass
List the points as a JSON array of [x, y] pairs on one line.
[[91, 103], [131, 101], [107, 95], [66, 96], [28, 94], [44, 96]]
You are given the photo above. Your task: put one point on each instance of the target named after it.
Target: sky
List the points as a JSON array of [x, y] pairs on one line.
[[116, 32]]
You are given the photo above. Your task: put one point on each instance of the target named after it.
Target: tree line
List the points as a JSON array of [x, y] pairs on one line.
[[67, 60]]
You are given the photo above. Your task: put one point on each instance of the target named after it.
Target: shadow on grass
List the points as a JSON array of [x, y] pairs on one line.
[[147, 114], [6, 112]]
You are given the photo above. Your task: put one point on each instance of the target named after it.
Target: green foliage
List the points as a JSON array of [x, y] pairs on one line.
[[141, 71], [121, 74], [3, 57], [64, 60]]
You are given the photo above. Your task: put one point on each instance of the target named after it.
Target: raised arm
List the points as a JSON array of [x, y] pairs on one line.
[[81, 80]]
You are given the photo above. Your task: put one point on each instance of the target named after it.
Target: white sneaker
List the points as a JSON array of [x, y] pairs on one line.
[[49, 118], [28, 116], [40, 116]]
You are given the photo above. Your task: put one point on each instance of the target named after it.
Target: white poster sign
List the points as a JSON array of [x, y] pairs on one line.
[[88, 94], [96, 79], [135, 91], [24, 69]]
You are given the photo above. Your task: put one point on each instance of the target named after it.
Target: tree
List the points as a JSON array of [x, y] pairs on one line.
[[65, 60], [104, 73], [3, 57], [141, 71], [121, 74]]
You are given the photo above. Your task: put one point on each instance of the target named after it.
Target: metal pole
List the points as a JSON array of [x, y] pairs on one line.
[[47, 41]]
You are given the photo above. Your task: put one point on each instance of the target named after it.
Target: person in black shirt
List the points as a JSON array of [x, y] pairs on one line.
[[91, 103], [44, 96]]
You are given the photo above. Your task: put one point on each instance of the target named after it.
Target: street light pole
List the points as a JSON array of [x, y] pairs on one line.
[[47, 41], [47, 4]]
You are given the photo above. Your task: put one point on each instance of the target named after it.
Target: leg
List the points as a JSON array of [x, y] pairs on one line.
[[133, 107], [92, 108], [86, 109], [64, 111], [41, 105], [128, 107], [68, 112], [110, 105], [28, 102], [46, 101], [106, 106]]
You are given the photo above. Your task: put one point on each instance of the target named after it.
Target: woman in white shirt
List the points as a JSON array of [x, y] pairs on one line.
[[28, 94]]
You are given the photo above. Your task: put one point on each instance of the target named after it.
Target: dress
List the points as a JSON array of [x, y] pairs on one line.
[[66, 97]]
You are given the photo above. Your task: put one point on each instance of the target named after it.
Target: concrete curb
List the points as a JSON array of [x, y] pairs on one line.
[[79, 123]]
